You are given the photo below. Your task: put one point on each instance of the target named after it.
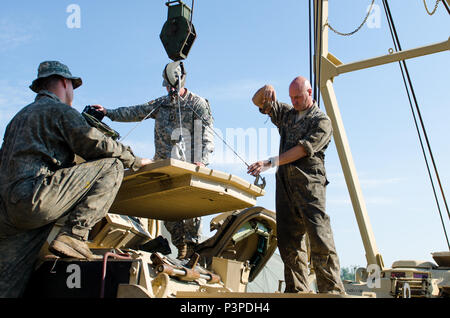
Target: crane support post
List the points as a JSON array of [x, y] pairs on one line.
[[332, 67], [342, 144], [351, 177]]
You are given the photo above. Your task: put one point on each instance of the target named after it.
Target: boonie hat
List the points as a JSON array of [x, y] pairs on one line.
[[49, 68]]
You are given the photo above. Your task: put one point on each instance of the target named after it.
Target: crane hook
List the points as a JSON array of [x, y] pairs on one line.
[[262, 185]]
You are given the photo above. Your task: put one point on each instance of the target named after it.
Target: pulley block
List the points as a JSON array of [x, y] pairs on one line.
[[178, 33]]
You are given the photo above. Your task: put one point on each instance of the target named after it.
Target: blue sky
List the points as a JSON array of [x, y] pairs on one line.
[[241, 45]]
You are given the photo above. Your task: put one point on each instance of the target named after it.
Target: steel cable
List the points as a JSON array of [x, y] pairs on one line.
[[404, 70]]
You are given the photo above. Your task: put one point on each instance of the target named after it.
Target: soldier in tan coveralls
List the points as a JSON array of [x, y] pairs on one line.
[[40, 183], [305, 133], [197, 125]]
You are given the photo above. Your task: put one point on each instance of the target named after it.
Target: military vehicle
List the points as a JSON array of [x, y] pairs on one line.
[[130, 242], [135, 262]]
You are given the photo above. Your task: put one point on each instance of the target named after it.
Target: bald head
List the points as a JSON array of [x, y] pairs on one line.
[[300, 83], [301, 93]]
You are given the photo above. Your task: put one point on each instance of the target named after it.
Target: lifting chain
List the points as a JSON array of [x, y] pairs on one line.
[[358, 28], [435, 7]]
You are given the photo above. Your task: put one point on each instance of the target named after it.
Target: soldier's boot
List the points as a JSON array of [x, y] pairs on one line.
[[66, 245]]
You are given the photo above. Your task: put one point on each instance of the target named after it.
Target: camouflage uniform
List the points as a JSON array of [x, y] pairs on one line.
[[199, 141], [39, 182], [300, 200]]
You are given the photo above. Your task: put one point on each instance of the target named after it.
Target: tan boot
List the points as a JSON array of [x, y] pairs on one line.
[[66, 245]]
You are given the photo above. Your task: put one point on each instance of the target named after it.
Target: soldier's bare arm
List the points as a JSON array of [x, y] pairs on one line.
[[289, 156], [265, 94], [266, 100]]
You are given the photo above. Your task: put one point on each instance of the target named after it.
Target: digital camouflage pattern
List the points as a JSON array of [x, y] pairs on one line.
[[39, 182], [49, 68], [184, 231], [198, 137], [197, 125], [300, 201]]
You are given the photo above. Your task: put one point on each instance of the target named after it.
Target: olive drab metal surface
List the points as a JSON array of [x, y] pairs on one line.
[[178, 33]]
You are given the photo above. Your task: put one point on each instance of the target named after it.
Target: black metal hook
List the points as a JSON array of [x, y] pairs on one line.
[[262, 185]]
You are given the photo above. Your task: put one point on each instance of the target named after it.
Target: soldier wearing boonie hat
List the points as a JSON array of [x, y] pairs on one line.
[[40, 183], [50, 68]]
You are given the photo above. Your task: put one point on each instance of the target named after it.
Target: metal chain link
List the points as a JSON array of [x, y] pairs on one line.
[[358, 28], [435, 7]]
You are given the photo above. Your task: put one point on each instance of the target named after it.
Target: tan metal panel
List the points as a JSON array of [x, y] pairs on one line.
[[172, 190]]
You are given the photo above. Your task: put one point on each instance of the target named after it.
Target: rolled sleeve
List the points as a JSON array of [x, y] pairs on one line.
[[318, 137]]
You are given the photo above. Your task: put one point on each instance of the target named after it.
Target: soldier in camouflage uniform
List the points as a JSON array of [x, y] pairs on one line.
[[305, 133], [40, 183], [197, 125]]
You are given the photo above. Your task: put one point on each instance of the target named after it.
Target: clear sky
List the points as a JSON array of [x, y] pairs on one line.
[[242, 45]]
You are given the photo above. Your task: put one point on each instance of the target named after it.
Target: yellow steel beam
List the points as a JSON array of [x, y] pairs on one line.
[[330, 68], [343, 147], [394, 57]]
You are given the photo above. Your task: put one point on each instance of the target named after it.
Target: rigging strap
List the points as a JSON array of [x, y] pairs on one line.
[[181, 145], [446, 7], [319, 56], [135, 126], [206, 125], [316, 62]]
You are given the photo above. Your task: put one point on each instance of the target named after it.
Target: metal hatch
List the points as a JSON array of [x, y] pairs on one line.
[[248, 235]]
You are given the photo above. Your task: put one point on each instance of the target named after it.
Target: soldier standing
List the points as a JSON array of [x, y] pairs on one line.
[[195, 130], [305, 133], [40, 183]]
